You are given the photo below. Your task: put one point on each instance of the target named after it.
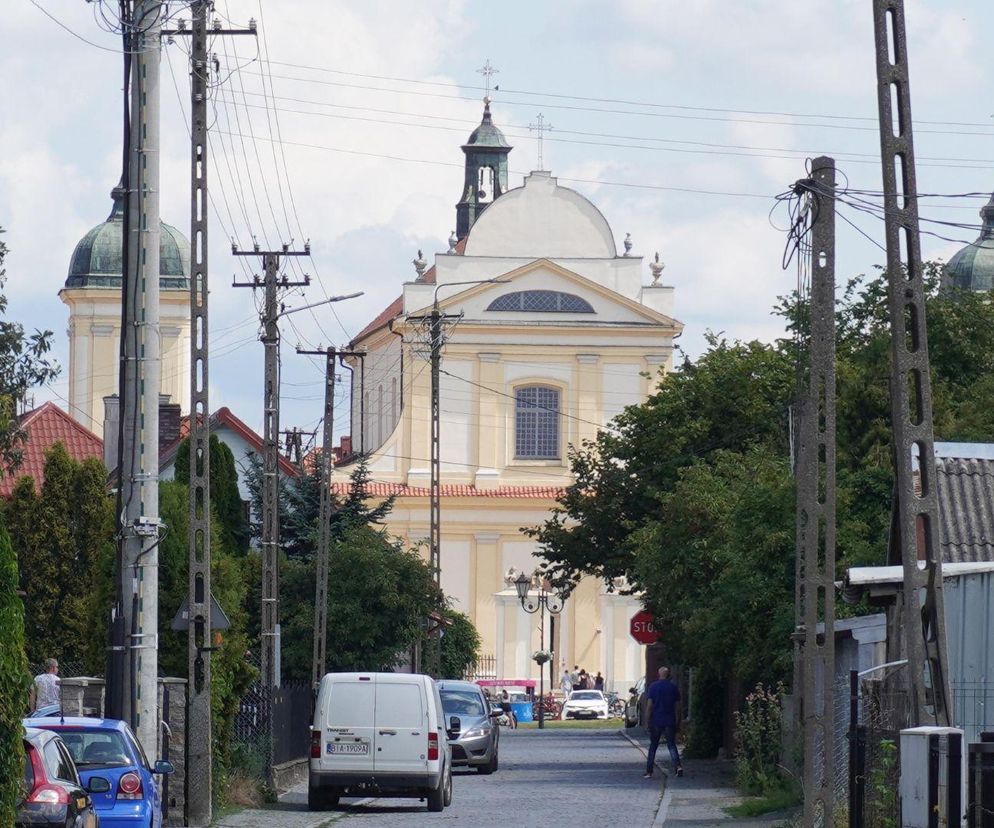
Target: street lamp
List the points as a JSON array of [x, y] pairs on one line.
[[538, 600]]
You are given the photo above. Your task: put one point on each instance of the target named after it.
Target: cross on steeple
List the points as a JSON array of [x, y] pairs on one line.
[[540, 128], [487, 71]]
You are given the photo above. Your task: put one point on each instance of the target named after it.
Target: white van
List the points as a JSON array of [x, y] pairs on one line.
[[379, 734]]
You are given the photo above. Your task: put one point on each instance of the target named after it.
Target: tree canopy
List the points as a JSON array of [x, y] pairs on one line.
[[690, 499]]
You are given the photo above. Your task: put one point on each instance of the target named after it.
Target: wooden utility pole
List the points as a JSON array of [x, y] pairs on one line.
[[199, 739], [816, 504], [320, 653], [917, 511], [271, 283]]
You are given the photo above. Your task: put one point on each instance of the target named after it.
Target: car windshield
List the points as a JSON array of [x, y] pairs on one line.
[[586, 695], [96, 748], [462, 703]]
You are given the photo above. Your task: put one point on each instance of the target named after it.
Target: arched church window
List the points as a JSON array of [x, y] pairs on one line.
[[536, 416], [541, 301]]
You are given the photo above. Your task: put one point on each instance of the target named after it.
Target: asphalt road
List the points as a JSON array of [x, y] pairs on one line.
[[549, 777]]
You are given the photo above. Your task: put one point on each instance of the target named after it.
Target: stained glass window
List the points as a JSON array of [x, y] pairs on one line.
[[537, 422]]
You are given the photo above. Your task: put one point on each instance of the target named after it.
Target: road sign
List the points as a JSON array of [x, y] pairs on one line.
[[642, 628]]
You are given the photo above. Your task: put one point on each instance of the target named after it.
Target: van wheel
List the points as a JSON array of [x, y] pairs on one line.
[[447, 799], [319, 799], [436, 797]]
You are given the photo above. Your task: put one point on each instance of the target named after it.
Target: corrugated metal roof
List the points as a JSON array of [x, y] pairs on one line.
[[965, 487]]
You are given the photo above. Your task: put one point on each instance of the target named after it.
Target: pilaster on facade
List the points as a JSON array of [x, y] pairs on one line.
[[488, 408], [589, 396]]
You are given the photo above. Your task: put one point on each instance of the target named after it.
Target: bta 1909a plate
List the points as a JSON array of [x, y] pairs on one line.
[[349, 748]]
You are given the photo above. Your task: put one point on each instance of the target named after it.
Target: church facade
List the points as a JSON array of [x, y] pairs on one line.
[[552, 333]]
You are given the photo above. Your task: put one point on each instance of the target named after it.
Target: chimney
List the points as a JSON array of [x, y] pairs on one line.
[[169, 420], [112, 422]]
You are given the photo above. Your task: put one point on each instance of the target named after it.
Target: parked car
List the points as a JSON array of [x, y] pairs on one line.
[[382, 734], [113, 768], [634, 707], [585, 704], [475, 742], [53, 791]]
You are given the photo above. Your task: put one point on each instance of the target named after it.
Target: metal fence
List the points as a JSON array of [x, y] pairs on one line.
[[273, 726], [484, 668]]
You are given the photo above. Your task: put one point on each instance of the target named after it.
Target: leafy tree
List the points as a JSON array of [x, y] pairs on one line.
[[23, 365], [690, 498], [226, 499], [379, 595], [14, 682], [460, 646], [64, 540], [231, 675]]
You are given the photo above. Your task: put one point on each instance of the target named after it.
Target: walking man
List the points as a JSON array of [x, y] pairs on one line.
[[663, 698], [566, 682], [45, 690]]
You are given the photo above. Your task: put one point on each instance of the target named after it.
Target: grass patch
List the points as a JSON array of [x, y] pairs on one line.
[[778, 799], [573, 724]]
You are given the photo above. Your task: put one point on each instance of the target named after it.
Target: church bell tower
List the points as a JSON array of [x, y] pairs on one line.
[[486, 171]]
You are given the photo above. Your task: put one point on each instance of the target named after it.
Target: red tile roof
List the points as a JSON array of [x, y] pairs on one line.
[[454, 490], [223, 417], [393, 310], [45, 426]]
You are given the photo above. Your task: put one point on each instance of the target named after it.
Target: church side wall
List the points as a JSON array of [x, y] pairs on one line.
[[381, 393]]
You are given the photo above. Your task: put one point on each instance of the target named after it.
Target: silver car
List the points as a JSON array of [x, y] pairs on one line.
[[473, 732]]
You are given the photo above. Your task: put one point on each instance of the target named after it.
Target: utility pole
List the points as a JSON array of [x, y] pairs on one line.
[[320, 652], [435, 322], [910, 384], [272, 282], [816, 504], [134, 678], [199, 739]]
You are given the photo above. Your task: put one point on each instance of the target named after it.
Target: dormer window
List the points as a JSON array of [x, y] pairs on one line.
[[540, 301]]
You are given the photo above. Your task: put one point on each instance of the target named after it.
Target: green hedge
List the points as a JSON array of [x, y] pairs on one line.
[[14, 683]]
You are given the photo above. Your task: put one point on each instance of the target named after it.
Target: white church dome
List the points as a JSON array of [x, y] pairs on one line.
[[541, 219]]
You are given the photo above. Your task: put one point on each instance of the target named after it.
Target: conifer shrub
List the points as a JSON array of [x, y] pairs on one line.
[[14, 683]]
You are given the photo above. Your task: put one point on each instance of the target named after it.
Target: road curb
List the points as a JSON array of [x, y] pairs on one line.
[[664, 803]]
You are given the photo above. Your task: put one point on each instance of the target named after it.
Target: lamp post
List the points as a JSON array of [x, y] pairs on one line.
[[538, 600]]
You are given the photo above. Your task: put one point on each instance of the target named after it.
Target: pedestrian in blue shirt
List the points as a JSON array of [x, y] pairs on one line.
[[663, 696]]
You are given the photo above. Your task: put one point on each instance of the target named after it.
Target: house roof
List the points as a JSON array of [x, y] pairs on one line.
[[453, 490], [45, 426], [223, 418], [965, 487], [393, 310]]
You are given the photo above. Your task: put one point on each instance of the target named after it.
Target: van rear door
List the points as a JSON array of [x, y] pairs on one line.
[[347, 743], [401, 724]]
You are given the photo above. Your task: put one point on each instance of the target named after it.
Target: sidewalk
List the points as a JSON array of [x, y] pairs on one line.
[[700, 796], [289, 812]]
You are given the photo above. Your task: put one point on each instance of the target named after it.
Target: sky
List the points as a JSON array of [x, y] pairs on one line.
[[341, 124]]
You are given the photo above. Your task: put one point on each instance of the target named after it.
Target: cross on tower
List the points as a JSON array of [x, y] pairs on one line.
[[487, 71], [540, 128]]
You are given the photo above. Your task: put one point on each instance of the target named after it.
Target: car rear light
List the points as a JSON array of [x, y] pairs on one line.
[[49, 794], [315, 744], [432, 746], [130, 787]]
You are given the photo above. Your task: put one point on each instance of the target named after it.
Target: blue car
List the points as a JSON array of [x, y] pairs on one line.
[[107, 749]]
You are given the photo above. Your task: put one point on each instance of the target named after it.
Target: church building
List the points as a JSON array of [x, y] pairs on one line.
[[972, 267], [552, 334]]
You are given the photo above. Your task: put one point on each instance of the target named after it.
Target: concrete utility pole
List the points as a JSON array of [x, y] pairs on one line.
[[199, 643], [910, 384], [272, 282], [137, 571], [816, 504], [320, 654]]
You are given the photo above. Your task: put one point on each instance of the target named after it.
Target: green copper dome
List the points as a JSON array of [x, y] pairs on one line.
[[97, 259], [972, 268], [486, 134]]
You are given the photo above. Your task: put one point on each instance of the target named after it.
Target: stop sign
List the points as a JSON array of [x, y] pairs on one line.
[[642, 628]]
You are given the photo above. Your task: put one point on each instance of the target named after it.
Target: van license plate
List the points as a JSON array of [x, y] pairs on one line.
[[349, 748]]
